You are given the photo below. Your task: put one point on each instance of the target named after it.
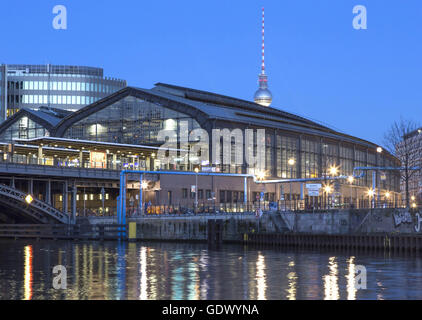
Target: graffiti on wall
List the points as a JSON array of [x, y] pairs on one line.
[[418, 222], [401, 217]]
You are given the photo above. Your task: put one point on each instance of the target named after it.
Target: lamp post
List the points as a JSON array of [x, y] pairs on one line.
[[351, 179], [413, 198], [144, 185], [333, 173], [387, 197], [291, 163], [260, 175], [371, 194], [327, 190]]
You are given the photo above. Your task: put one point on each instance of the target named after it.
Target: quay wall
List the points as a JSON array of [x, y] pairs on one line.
[[344, 222]]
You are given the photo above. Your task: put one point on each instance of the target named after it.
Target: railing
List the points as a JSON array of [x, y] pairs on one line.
[[55, 231], [35, 203], [18, 159], [207, 208]]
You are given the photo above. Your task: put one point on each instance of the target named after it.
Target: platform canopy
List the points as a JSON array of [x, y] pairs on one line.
[[87, 145]]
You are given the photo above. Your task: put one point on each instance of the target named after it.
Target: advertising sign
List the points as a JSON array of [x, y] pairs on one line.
[[98, 159]]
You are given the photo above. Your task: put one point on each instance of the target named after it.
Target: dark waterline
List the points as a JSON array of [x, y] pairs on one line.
[[143, 271]]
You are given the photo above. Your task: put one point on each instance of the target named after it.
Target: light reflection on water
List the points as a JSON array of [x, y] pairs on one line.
[[145, 271]]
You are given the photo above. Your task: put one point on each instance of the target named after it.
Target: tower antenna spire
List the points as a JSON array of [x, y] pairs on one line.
[[263, 96], [263, 41]]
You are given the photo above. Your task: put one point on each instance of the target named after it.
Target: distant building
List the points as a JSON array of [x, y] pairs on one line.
[[62, 87], [414, 146]]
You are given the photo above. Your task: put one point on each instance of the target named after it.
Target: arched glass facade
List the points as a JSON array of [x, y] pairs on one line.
[[131, 121], [23, 128]]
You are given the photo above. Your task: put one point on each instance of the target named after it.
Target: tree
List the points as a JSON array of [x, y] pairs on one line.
[[403, 141]]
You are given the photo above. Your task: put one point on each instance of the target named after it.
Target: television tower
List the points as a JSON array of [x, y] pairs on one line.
[[263, 96]]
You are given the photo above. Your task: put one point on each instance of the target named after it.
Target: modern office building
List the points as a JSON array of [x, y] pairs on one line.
[[294, 147], [62, 87], [3, 93]]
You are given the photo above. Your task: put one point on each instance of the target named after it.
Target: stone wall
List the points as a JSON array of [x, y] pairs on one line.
[[355, 221], [334, 222]]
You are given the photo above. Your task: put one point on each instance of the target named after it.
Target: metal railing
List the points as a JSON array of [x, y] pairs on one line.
[[56, 162]]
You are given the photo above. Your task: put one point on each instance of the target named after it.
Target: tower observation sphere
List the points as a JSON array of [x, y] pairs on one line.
[[263, 95]]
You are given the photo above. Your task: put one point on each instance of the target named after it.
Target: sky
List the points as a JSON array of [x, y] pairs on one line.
[[356, 81]]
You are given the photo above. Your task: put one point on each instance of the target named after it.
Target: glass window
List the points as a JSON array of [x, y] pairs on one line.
[[23, 128]]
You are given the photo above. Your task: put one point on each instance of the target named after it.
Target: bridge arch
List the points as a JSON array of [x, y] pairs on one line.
[[15, 209]]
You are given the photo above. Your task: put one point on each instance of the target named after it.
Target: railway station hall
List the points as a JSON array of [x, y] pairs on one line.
[[124, 130]]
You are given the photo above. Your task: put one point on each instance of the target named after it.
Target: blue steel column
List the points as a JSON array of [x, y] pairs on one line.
[[245, 193], [140, 194], [121, 218]]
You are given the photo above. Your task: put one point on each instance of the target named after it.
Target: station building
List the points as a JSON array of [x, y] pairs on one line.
[[123, 130]]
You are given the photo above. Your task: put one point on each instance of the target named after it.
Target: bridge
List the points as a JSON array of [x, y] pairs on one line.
[[22, 208]]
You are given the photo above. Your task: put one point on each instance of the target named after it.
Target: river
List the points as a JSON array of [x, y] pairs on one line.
[[111, 270]]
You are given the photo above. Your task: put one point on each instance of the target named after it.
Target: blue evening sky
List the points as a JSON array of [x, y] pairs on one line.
[[356, 81]]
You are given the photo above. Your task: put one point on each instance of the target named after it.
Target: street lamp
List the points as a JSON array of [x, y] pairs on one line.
[[260, 175], [327, 190], [351, 179], [387, 197], [370, 193], [29, 199], [333, 171], [291, 163], [379, 150], [144, 186]]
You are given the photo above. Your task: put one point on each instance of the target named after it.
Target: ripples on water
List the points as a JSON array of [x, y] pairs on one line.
[[144, 271]]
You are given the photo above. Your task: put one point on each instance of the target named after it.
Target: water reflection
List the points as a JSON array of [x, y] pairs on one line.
[[292, 281], [143, 274], [260, 277], [28, 273], [331, 281], [147, 271], [351, 279]]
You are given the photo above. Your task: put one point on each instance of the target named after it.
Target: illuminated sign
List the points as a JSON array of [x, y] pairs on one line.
[[98, 159]]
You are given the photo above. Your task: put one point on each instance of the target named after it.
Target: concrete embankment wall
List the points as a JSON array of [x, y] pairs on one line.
[[368, 221], [347, 222]]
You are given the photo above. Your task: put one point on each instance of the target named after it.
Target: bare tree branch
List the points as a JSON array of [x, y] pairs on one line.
[[406, 147]]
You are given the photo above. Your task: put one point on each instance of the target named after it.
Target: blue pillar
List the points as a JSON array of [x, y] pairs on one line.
[[140, 193], [245, 192]]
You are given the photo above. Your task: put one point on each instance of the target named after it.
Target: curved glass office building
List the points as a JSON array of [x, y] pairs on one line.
[[63, 87]]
